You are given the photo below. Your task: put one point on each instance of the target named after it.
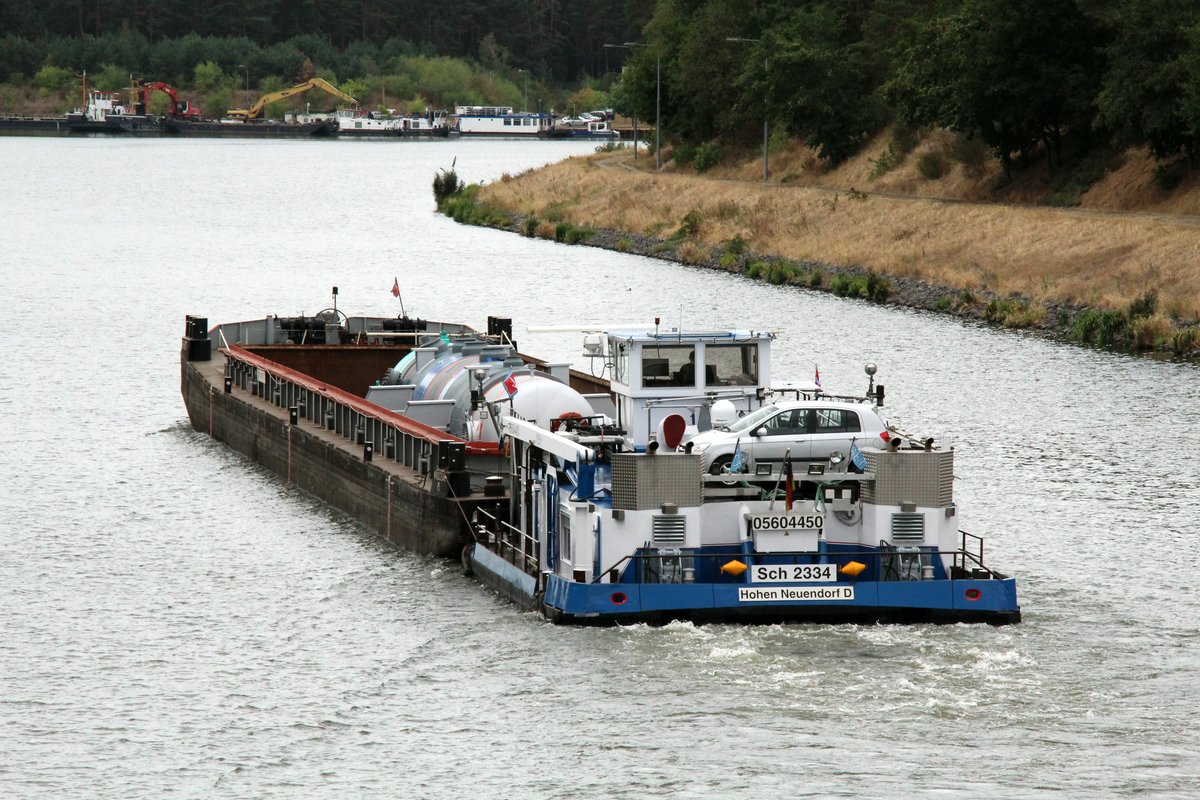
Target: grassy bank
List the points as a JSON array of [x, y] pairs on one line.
[[1119, 278]]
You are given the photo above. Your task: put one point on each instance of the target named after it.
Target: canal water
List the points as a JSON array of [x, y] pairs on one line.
[[180, 623]]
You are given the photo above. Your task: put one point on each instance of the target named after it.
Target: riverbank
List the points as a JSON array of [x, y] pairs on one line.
[[1115, 278]]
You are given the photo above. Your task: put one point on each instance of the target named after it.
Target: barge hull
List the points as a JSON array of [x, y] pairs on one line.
[[379, 495]]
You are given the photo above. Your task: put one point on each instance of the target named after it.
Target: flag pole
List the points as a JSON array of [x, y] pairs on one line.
[[396, 293], [787, 459]]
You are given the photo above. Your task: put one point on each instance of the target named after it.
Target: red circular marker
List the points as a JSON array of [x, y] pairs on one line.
[[618, 598], [972, 594], [673, 427]]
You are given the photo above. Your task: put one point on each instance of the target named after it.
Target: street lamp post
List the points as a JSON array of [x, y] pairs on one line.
[[766, 114], [657, 101]]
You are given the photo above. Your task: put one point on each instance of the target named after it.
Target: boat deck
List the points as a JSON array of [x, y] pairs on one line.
[[213, 373]]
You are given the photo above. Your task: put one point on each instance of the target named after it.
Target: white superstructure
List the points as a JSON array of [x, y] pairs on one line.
[[500, 121]]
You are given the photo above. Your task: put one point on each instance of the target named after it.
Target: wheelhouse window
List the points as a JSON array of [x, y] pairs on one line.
[[731, 365], [669, 365]]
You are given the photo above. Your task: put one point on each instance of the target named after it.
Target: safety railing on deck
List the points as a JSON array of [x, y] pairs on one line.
[[379, 431], [970, 562], [509, 542], [890, 564]]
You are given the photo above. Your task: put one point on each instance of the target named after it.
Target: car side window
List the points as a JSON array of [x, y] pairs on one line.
[[836, 420], [788, 423]]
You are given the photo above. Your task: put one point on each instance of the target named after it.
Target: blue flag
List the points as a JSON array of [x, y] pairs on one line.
[[857, 458], [739, 458]]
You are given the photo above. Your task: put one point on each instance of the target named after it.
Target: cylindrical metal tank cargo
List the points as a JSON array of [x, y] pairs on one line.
[[453, 370], [539, 399]]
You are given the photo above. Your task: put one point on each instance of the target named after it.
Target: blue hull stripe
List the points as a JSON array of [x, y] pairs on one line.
[[951, 598]]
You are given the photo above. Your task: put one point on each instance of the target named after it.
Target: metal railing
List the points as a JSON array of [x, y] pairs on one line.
[[507, 541], [972, 562], [890, 564], [391, 435]]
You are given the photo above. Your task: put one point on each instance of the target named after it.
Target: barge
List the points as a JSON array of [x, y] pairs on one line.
[[586, 495]]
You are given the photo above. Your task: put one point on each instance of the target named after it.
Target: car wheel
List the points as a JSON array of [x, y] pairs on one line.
[[720, 465]]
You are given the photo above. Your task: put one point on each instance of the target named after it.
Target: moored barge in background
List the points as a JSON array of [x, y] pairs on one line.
[[579, 496]]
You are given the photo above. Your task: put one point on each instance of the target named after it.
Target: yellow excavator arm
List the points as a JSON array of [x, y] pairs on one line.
[[255, 111]]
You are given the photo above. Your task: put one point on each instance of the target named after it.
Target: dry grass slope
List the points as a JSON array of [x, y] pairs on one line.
[[1083, 256]]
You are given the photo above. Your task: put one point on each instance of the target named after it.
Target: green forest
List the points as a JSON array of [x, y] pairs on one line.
[[535, 53], [1052, 79], [1025, 79]]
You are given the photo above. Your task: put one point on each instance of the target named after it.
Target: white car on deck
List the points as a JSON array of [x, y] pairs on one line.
[[804, 431]]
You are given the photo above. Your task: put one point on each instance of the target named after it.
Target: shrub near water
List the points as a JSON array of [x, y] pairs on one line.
[[445, 184], [778, 274], [1099, 327], [464, 206], [689, 226], [1186, 341], [1139, 326], [1013, 313]]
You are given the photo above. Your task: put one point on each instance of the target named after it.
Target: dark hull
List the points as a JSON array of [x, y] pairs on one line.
[[73, 124], [441, 133], [254, 130], [34, 126], [418, 513], [119, 124]]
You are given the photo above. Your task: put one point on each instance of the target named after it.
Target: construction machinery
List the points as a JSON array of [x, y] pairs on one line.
[[256, 111], [179, 108]]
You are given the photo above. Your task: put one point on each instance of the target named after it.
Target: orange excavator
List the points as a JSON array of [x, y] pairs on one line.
[[179, 108]]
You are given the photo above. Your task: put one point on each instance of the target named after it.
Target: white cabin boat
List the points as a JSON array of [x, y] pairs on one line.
[[501, 121]]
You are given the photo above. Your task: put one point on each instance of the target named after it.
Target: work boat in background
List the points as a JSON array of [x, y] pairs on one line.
[[586, 496]]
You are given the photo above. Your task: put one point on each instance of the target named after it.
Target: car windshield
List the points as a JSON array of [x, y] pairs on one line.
[[750, 421]]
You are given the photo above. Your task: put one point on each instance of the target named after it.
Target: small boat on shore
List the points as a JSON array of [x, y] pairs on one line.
[[582, 496], [107, 113], [501, 121], [590, 129], [353, 124]]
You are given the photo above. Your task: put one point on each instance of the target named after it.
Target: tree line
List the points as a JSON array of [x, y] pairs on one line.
[[1025, 79], [1053, 79], [558, 39]]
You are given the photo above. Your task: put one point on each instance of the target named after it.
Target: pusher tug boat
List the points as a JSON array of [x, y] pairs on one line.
[[600, 500]]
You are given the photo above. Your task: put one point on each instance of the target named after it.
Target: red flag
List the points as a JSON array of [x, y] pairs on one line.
[[395, 287], [510, 384], [789, 486], [817, 375]]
